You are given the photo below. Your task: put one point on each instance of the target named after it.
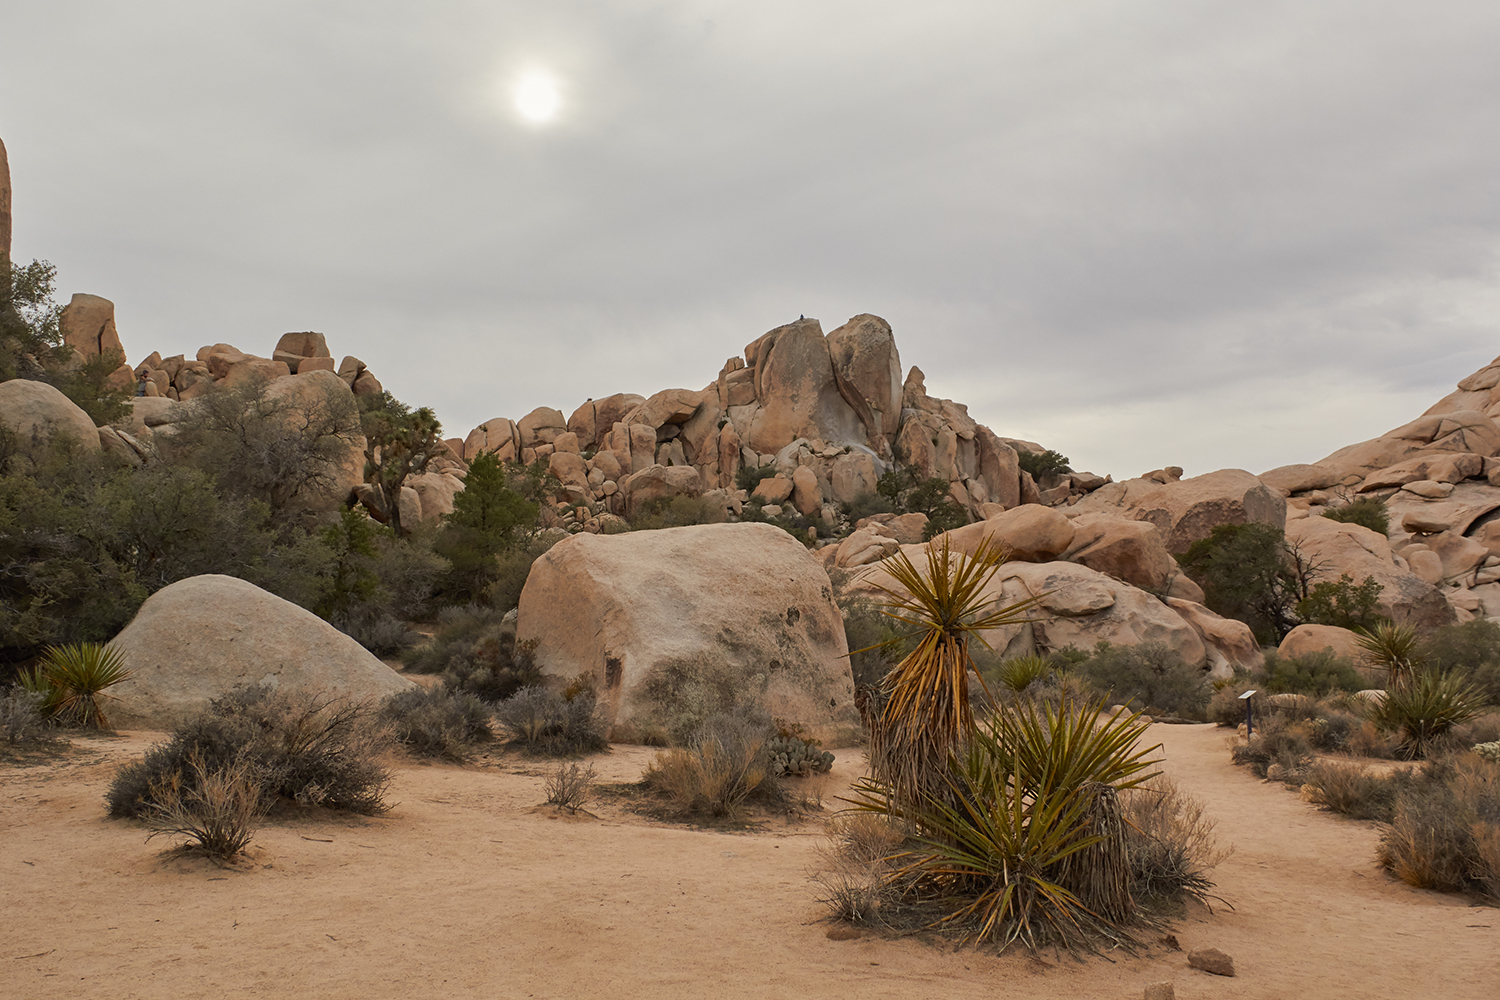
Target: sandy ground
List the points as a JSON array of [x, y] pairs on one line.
[[466, 888]]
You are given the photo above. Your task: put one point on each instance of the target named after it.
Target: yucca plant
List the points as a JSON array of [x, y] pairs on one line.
[[1394, 647], [1027, 841], [926, 709], [71, 680], [1020, 672], [1426, 707]]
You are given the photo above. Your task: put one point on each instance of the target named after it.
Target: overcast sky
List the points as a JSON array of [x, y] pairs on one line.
[[1144, 233]]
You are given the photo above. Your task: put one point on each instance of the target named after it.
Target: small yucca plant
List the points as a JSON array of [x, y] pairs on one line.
[[71, 680], [1020, 672], [1426, 707], [1394, 647], [926, 710]]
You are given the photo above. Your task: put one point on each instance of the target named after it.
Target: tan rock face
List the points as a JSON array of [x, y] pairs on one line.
[[1456, 431], [1029, 533], [852, 476], [797, 391], [1189, 510], [206, 636], [541, 426], [743, 607], [867, 371], [773, 490], [1230, 644], [435, 492], [1441, 467], [304, 345], [656, 482], [88, 326], [670, 406], [1127, 550], [5, 223], [1300, 478], [498, 436], [807, 497], [1333, 548], [41, 418]]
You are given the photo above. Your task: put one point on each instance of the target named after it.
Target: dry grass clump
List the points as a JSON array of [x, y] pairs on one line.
[[216, 808], [1169, 843], [1444, 832], [23, 725], [723, 765], [295, 746], [554, 723]]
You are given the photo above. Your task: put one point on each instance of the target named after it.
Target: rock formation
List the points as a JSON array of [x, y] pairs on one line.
[[652, 615], [206, 636], [41, 418]]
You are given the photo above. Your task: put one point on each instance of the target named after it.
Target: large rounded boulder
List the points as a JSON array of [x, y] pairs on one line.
[[669, 623], [41, 418], [203, 637]]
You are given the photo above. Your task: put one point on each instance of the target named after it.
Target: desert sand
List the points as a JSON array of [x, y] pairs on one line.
[[468, 888]]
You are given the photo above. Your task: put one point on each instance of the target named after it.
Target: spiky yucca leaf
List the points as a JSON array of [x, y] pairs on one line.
[[73, 677], [1394, 647], [1013, 838], [1426, 707], [926, 711]]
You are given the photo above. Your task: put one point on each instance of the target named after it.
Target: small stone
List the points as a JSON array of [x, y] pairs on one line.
[[1211, 960], [1159, 991]]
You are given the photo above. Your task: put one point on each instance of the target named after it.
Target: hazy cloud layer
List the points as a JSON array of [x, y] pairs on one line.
[[1141, 232]]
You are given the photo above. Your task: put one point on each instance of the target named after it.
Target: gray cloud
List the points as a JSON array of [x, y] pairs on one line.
[[1141, 232]]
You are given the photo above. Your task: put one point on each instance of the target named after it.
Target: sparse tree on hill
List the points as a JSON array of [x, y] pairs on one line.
[[399, 443]]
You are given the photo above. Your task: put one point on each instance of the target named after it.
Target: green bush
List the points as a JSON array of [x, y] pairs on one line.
[[747, 477], [436, 722], [1368, 512], [1044, 463], [1315, 673], [477, 653], [1472, 648], [315, 751], [71, 681], [1149, 676], [676, 512], [1343, 603], [1246, 573]]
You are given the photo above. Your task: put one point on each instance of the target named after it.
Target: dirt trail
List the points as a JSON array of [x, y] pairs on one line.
[[467, 889]]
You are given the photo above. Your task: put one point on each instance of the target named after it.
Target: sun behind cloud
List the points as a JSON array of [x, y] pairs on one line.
[[536, 96]]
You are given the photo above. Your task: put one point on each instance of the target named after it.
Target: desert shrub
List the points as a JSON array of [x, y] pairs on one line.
[[512, 567], [215, 807], [23, 724], [1444, 832], [909, 493], [436, 722], [875, 644], [1343, 603], [679, 696], [476, 652], [1169, 842], [1044, 463], [1472, 648], [1246, 572], [1315, 673], [747, 477], [1353, 790], [1275, 744], [547, 721], [71, 681], [1333, 731], [1368, 512], [376, 629], [725, 762], [1018, 673], [1149, 676], [570, 786], [676, 512], [1425, 708], [296, 746], [854, 877]]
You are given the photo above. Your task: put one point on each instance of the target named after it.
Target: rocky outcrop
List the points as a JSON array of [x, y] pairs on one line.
[[5, 220], [41, 419], [203, 637], [1188, 510], [656, 617], [867, 371], [1334, 548], [87, 324]]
